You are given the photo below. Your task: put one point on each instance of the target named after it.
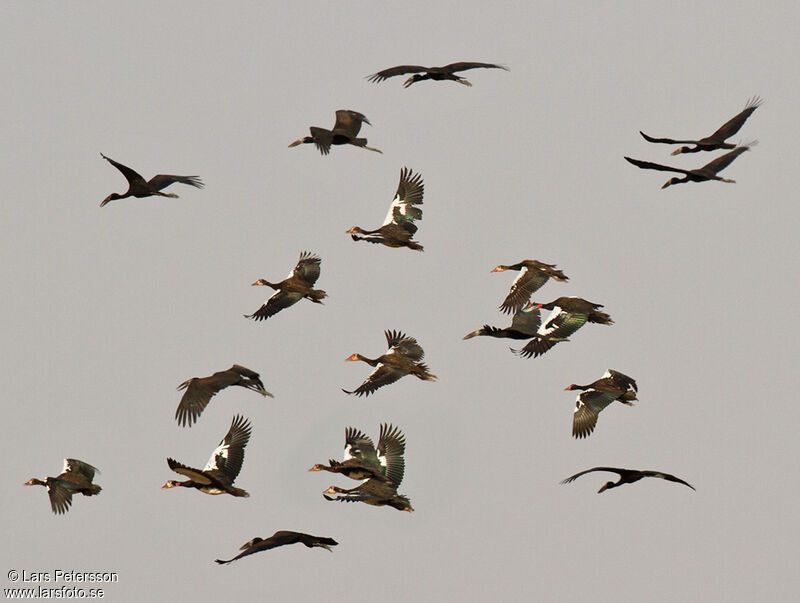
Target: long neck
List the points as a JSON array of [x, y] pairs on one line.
[[35, 482]]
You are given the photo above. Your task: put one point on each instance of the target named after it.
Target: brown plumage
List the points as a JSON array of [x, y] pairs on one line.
[[524, 325], [596, 396], [345, 131], [292, 289], [218, 475], [398, 227], [447, 72], [281, 538], [403, 358], [533, 274], [75, 478], [716, 140], [200, 390], [703, 174], [627, 476], [139, 187]]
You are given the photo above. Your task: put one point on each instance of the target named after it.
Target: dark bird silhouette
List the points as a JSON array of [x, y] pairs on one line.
[[627, 476], [524, 325], [403, 358], [703, 174], [398, 228], [75, 478], [218, 475], [533, 274], [139, 187], [432, 73], [717, 139], [596, 396], [297, 285], [281, 538], [362, 461], [345, 130], [200, 390], [376, 491], [568, 314]]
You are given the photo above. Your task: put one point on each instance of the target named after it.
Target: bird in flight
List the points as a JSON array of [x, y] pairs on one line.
[[532, 275], [75, 478], [281, 538], [703, 174], [627, 476], [345, 131], [139, 187], [297, 285], [596, 396], [446, 72]]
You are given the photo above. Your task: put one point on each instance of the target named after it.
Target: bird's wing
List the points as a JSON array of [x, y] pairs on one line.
[[322, 139], [162, 181], [400, 343], [382, 375], [199, 391], [668, 477], [527, 320], [646, 165], [393, 71], [622, 380], [60, 495], [409, 193], [720, 163], [276, 303], [585, 471], [464, 65], [229, 455], [196, 475], [307, 268], [561, 324], [349, 122], [132, 176], [527, 282], [359, 446], [391, 447], [587, 406], [665, 140], [734, 124], [77, 467]]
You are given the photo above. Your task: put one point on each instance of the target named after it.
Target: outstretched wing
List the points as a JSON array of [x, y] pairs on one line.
[[647, 165], [409, 193], [162, 181], [393, 71], [527, 320], [668, 477], [359, 446], [391, 447], [382, 375], [349, 122], [196, 475], [323, 139], [522, 288], [587, 407], [229, 455], [734, 124], [464, 65], [584, 472], [400, 343], [720, 163], [665, 140], [79, 469], [276, 303], [307, 268], [132, 176]]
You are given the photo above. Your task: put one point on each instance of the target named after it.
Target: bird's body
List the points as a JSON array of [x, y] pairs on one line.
[[362, 461], [716, 140], [218, 475], [568, 314], [139, 187], [345, 131], [533, 274], [200, 390], [627, 476], [596, 396], [403, 358], [281, 538], [296, 286], [398, 228], [702, 174], [446, 72], [75, 478], [524, 325]]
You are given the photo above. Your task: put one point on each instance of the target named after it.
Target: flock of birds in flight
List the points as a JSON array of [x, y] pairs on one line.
[[380, 469]]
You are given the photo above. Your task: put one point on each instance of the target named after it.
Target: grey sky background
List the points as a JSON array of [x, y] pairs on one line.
[[107, 310]]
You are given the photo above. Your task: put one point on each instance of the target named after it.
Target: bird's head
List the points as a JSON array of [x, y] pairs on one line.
[[570, 387], [354, 230], [305, 139], [671, 181], [34, 482], [499, 268], [605, 487], [259, 282], [414, 78], [332, 490], [111, 197], [351, 358], [171, 483], [680, 150], [317, 467]]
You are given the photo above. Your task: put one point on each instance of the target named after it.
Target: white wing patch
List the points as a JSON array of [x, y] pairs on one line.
[[546, 330], [213, 462], [401, 207]]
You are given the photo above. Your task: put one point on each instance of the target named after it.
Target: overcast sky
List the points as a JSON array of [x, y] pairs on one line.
[[107, 310]]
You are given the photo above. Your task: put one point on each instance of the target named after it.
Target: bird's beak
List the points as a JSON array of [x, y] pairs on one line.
[[296, 142], [677, 151]]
